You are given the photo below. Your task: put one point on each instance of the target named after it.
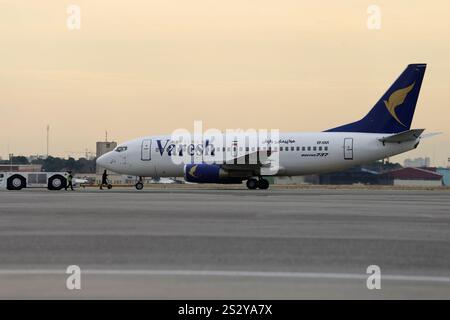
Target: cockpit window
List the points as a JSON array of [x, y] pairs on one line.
[[121, 148]]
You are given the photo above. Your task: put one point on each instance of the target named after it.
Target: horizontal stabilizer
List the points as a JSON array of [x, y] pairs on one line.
[[429, 135], [404, 136]]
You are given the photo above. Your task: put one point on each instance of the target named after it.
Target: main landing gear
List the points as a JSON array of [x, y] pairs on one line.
[[261, 183], [139, 185]]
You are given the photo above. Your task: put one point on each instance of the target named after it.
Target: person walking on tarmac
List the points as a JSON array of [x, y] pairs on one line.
[[104, 180], [69, 181]]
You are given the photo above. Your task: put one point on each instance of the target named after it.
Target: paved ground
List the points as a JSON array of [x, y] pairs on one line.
[[205, 243]]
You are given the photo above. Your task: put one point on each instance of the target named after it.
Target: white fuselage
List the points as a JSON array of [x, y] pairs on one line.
[[297, 153]]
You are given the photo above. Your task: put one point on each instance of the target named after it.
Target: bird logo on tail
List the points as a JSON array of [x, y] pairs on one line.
[[396, 99]]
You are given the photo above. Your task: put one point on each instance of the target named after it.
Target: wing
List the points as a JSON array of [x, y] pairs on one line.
[[249, 164]]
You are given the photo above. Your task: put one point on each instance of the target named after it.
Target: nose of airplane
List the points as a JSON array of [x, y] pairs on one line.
[[104, 160]]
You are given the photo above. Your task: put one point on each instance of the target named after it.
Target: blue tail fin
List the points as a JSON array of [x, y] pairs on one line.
[[394, 111]]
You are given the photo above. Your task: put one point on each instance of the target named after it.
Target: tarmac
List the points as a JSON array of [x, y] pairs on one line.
[[203, 243]]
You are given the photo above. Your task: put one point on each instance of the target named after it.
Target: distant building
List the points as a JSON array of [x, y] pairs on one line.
[[356, 175], [293, 180], [21, 167], [103, 147], [362, 174], [445, 172], [37, 157], [412, 177], [417, 162]]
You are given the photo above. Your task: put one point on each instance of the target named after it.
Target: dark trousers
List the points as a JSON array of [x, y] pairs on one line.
[[104, 183], [69, 185]]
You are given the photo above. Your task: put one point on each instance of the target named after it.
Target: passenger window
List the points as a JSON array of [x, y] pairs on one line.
[[292, 148], [309, 148], [298, 148], [320, 148], [326, 148], [281, 148], [314, 148], [303, 148]]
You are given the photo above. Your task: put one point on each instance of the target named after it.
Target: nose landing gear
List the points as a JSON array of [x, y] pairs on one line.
[[139, 185]]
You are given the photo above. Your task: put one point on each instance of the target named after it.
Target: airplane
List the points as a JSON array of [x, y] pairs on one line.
[[80, 182], [384, 132]]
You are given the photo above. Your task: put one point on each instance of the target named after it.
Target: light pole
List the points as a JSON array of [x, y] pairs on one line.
[[11, 155], [48, 138]]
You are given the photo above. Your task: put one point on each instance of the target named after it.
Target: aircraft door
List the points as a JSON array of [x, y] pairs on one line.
[[234, 149], [146, 150], [348, 148]]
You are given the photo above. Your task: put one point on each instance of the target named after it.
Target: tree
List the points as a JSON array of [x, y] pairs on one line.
[[81, 165], [20, 160]]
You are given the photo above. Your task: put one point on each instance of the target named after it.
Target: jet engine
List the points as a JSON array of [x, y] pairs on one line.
[[208, 173]]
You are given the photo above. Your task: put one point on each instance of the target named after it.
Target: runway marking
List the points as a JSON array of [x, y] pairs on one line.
[[227, 273]]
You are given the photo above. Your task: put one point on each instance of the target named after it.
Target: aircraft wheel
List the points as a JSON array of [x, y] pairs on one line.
[[263, 184], [139, 185], [252, 184]]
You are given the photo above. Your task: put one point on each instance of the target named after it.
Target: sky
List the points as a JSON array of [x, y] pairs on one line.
[[147, 67]]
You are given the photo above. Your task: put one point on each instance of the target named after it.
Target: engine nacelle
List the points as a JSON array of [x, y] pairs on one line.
[[208, 173]]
